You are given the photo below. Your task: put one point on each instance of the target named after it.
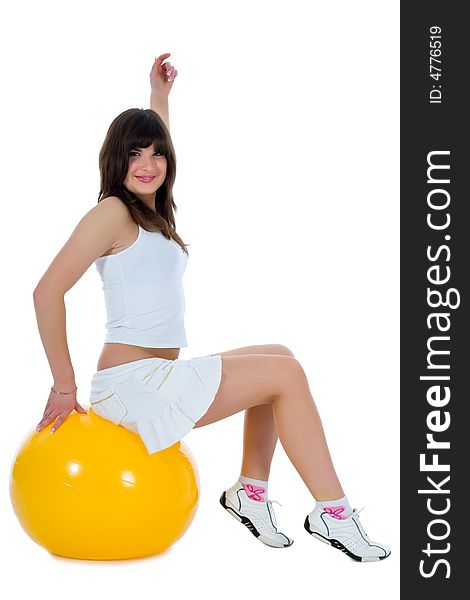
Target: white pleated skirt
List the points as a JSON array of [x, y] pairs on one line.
[[159, 399]]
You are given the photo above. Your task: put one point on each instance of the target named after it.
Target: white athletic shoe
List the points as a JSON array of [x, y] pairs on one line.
[[345, 534], [257, 516]]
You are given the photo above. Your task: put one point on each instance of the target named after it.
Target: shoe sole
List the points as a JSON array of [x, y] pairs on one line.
[[339, 546], [242, 519]]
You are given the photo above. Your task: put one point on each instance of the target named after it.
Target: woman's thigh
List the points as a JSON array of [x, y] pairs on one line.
[[259, 349], [250, 380]]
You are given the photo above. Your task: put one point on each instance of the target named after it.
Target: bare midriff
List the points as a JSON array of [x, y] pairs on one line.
[[119, 354]]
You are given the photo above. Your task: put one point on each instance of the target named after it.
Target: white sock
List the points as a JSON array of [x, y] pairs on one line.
[[339, 509], [256, 489]]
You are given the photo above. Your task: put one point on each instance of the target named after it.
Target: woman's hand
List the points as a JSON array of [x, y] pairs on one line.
[[162, 75], [59, 407]]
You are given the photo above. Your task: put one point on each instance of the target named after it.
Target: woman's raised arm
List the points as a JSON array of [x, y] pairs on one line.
[[162, 76]]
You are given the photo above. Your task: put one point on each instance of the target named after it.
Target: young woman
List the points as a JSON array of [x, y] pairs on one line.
[[140, 383]]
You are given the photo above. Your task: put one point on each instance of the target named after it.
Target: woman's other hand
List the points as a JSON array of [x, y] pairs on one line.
[[162, 75], [59, 407]]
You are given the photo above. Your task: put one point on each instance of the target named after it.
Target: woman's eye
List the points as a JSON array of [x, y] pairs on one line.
[[137, 153]]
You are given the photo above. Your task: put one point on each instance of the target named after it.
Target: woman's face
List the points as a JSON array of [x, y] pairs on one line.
[[146, 173]]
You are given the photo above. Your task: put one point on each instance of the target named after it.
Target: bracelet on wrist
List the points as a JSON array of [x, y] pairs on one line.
[[64, 393]]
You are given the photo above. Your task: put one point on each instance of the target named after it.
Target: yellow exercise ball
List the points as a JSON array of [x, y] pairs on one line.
[[92, 491]]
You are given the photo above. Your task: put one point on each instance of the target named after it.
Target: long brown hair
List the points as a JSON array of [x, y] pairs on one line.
[[139, 128]]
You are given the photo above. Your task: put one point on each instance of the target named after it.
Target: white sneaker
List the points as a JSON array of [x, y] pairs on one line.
[[345, 534], [257, 516]]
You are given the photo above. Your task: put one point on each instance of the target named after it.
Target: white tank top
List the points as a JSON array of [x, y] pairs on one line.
[[143, 292]]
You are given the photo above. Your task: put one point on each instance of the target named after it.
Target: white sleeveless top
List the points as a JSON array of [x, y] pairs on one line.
[[143, 292]]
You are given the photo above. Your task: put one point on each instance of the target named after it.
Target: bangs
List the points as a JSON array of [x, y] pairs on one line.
[[146, 132]]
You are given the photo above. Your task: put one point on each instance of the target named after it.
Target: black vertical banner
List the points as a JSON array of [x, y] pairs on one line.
[[435, 256]]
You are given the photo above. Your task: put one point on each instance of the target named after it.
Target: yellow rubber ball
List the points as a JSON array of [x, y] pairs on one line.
[[92, 491]]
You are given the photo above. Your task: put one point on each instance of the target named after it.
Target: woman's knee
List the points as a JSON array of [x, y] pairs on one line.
[[280, 349], [291, 375]]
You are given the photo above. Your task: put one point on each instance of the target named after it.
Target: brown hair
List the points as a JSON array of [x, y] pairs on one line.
[[139, 128]]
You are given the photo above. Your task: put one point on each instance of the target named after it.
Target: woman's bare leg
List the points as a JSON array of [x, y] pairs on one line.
[[279, 381], [259, 431]]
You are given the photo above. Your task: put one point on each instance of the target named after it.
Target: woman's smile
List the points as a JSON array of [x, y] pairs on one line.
[[145, 178]]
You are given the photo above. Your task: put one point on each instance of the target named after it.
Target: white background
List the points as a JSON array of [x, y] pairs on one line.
[[284, 116]]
